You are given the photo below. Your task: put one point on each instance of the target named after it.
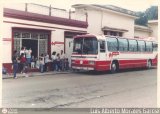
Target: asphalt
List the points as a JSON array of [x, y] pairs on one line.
[[129, 88]]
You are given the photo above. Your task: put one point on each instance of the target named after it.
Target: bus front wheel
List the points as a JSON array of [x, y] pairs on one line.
[[114, 67]]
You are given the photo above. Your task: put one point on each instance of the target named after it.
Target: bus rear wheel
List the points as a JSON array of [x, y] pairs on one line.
[[114, 67]]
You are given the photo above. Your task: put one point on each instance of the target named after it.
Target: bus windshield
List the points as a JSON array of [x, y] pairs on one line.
[[85, 45]]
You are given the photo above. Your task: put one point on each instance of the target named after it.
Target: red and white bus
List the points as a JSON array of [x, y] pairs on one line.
[[100, 53]]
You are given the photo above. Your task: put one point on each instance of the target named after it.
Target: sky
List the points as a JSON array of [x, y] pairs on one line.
[[134, 5]]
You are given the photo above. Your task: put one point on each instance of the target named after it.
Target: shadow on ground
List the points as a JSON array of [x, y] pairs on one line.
[[98, 73]]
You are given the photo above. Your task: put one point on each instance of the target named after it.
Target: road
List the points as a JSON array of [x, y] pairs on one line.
[[135, 88]]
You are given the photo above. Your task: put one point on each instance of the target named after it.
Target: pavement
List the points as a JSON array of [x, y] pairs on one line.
[[126, 89], [32, 74]]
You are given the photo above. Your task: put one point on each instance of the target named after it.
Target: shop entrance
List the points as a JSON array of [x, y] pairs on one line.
[[33, 44]]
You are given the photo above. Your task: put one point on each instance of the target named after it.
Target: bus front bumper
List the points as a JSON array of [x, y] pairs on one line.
[[82, 68]]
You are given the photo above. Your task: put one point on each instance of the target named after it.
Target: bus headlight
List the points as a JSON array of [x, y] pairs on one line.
[[91, 62]]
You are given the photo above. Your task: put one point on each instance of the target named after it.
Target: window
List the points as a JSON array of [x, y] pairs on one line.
[[112, 44], [34, 36], [102, 46], [17, 34], [123, 44], [141, 46], [132, 45], [149, 46], [25, 35], [113, 33], [155, 46], [85, 45]]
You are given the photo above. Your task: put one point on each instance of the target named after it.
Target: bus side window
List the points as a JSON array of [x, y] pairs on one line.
[[102, 46], [132, 45], [123, 44], [155, 46], [112, 44], [141, 46], [149, 46]]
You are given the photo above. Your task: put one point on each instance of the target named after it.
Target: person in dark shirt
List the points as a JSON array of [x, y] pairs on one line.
[[15, 63], [23, 62]]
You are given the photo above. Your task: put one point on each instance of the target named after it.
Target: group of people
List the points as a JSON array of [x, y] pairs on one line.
[[58, 62], [23, 60]]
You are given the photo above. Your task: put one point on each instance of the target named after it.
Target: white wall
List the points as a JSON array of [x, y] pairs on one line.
[[98, 19], [57, 36], [119, 21], [6, 45], [142, 34], [94, 22], [154, 27]]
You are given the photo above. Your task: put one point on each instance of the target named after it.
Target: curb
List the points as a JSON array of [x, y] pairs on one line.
[[33, 74]]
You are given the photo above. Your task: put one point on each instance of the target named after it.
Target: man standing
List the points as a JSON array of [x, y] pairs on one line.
[[15, 63], [28, 56], [46, 60], [62, 58]]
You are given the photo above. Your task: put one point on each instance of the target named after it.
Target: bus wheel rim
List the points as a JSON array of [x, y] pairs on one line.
[[114, 67], [149, 64]]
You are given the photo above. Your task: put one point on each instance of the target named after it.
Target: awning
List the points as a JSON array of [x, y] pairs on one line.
[[106, 28]]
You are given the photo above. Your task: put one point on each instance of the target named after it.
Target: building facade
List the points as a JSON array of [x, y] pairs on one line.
[[108, 19], [147, 31], [153, 24], [43, 29]]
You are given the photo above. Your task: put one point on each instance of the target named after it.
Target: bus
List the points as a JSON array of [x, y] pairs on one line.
[[101, 53]]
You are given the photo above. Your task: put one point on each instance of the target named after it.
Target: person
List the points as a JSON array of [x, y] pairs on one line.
[[23, 50], [37, 65], [4, 70], [85, 48], [66, 64], [23, 63], [33, 62], [15, 63], [62, 59], [28, 56], [53, 57], [58, 62], [46, 60], [41, 63]]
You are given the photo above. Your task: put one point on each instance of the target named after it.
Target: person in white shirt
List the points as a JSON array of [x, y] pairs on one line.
[[41, 63], [23, 50], [53, 57], [46, 60], [28, 56]]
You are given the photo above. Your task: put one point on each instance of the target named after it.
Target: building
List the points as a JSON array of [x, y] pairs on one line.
[[41, 28], [108, 19], [142, 31], [147, 31], [153, 24]]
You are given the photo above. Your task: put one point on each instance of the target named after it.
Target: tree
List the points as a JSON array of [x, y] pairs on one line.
[[150, 14]]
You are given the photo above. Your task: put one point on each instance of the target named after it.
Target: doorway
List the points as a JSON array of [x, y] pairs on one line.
[[33, 44]]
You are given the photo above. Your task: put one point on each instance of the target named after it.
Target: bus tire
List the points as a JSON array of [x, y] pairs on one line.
[[149, 64], [114, 67]]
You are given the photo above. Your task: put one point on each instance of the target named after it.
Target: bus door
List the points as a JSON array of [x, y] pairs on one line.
[[69, 49], [102, 50]]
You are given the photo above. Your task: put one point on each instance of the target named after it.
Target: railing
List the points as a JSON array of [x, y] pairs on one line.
[[47, 10]]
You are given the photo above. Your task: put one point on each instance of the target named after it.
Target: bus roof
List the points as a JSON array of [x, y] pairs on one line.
[[101, 37]]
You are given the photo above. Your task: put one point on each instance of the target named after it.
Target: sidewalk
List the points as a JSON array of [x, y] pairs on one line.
[[32, 74]]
